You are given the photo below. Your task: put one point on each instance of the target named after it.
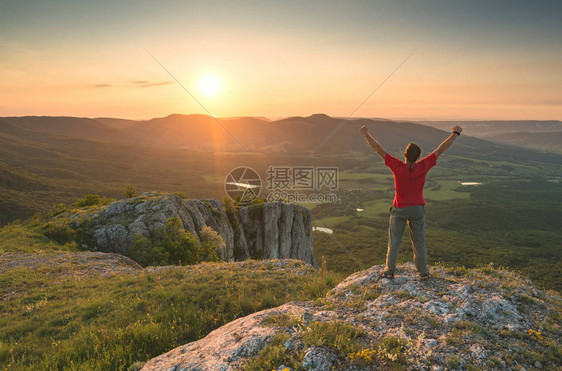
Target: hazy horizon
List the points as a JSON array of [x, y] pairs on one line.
[[277, 118]]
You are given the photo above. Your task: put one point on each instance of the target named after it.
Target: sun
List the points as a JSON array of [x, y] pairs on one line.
[[210, 85]]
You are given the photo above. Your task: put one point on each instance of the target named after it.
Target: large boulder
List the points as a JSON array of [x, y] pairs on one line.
[[273, 230], [460, 319]]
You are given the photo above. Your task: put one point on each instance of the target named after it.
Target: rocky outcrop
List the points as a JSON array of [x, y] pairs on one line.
[[268, 231], [460, 319]]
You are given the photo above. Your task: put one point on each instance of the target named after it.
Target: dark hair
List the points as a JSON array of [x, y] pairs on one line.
[[412, 153]]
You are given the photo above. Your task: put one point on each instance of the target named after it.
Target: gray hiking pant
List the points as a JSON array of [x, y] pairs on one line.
[[415, 217]]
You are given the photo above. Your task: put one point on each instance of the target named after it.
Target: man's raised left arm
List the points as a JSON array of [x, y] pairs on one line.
[[457, 130]]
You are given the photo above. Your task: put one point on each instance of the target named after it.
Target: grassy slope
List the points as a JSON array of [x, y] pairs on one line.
[[38, 170], [58, 312], [53, 319], [550, 142]]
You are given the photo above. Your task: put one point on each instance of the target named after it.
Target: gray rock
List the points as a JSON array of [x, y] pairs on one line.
[[226, 347], [271, 215], [432, 330], [274, 230], [318, 359], [285, 227]]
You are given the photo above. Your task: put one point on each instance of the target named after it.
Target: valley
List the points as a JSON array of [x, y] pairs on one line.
[[488, 204]]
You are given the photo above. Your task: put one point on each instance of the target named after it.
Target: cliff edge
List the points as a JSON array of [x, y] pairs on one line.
[[484, 318], [271, 230]]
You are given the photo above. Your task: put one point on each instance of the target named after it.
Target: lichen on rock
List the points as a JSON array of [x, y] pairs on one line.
[[268, 231], [478, 319]]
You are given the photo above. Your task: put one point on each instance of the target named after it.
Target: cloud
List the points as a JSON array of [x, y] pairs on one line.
[[147, 84], [134, 84]]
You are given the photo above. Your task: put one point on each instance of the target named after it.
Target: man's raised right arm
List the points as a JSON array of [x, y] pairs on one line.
[[376, 146], [447, 142]]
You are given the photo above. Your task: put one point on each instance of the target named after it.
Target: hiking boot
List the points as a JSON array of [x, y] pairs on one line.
[[383, 274]]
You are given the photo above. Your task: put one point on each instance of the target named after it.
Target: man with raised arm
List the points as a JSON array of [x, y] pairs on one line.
[[408, 205]]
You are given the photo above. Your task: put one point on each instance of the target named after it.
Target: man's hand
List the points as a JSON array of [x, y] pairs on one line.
[[364, 131], [447, 142]]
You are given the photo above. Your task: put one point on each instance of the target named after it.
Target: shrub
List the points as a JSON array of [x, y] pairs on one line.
[[180, 195], [60, 233], [130, 192], [57, 209], [89, 200], [364, 357], [144, 251], [227, 202], [92, 200], [211, 239], [393, 347], [174, 245]]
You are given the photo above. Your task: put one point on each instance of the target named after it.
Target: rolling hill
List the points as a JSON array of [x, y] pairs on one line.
[[544, 136], [47, 160], [293, 135], [483, 129], [548, 142]]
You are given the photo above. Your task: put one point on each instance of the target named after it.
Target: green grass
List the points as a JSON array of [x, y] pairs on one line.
[[330, 222], [281, 320], [445, 190], [510, 223], [347, 175], [337, 335], [374, 209], [393, 348], [51, 320], [381, 180], [273, 355], [29, 237]]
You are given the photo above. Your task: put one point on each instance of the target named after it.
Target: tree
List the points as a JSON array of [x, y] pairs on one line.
[[172, 244], [130, 192]]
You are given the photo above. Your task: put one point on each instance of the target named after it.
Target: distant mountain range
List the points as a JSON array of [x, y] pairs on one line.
[[298, 135], [541, 135], [548, 141], [492, 128], [44, 160]]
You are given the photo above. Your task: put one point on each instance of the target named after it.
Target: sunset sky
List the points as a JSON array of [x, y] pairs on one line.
[[472, 59]]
